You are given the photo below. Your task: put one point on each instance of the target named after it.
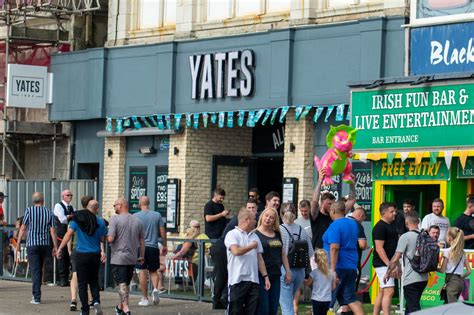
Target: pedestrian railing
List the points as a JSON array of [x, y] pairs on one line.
[[190, 278]]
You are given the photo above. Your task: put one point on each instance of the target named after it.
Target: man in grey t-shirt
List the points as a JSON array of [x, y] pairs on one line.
[[154, 227], [126, 238], [413, 282]]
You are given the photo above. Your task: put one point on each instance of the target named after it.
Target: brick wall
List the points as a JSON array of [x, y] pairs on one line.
[[299, 164], [193, 165], [114, 173]]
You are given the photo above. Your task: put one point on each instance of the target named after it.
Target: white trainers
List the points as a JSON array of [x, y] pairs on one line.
[[98, 308], [156, 297], [33, 301], [144, 302]]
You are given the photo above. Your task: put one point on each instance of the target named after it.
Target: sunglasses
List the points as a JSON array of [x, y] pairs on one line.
[[70, 195]]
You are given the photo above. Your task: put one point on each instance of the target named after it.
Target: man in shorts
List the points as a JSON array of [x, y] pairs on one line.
[[385, 236], [154, 227], [127, 242]]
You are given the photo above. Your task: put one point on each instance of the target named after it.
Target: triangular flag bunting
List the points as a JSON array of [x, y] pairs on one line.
[[108, 125], [267, 115], [306, 111], [340, 112], [205, 118], [348, 115], [284, 110], [160, 124], [418, 157], [329, 112], [241, 118], [168, 121], [145, 121], [119, 126], [390, 157], [177, 120], [404, 156], [317, 114], [433, 157], [136, 123], [448, 157], [230, 119], [126, 122], [259, 115], [272, 119], [463, 158], [251, 119], [195, 120], [298, 112], [189, 120], [221, 119], [213, 118]]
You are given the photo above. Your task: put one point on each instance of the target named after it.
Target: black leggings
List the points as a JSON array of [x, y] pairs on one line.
[[320, 308]]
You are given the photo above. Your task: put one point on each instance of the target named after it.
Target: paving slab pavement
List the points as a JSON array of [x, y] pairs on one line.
[[15, 300]]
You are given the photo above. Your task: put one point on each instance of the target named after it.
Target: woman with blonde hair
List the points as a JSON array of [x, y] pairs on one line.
[[454, 262], [291, 233], [268, 232]]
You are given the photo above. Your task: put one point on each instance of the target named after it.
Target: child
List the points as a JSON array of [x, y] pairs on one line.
[[323, 283]]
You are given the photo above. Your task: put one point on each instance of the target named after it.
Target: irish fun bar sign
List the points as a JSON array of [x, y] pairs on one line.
[[418, 117]]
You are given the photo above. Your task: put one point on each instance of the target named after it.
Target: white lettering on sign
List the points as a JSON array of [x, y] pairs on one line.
[[222, 74], [178, 268], [444, 54], [278, 138]]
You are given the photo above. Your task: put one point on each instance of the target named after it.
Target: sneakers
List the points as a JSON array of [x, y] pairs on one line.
[[34, 302], [162, 290], [144, 302], [73, 306], [98, 308], [118, 311], [155, 295]]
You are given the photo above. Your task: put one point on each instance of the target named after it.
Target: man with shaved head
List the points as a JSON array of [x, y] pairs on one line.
[[89, 253], [154, 227], [38, 220], [63, 212], [127, 242]]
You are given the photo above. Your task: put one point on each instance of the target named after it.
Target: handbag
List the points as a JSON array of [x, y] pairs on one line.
[[443, 295]]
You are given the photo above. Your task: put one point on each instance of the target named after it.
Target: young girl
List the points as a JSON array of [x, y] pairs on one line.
[[323, 283], [454, 261]]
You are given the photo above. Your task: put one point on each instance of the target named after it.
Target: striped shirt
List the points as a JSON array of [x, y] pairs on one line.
[[39, 220]]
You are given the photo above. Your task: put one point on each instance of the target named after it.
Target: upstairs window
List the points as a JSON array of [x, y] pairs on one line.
[[156, 13]]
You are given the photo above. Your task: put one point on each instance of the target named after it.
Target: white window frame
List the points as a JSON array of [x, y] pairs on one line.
[[352, 3], [266, 9], [233, 10], [414, 21], [161, 16]]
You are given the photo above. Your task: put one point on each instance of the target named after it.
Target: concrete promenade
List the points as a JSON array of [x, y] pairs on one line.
[[15, 300]]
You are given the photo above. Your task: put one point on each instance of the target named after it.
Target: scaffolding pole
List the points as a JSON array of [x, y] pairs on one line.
[[5, 120]]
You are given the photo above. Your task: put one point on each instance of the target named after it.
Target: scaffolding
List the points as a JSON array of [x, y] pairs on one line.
[[33, 30]]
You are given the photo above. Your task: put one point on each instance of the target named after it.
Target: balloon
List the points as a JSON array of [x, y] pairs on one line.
[[335, 161]]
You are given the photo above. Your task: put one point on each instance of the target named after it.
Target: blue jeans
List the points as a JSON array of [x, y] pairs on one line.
[[268, 300], [288, 290]]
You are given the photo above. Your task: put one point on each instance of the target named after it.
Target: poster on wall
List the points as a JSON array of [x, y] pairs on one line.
[[173, 204], [138, 180], [161, 186], [363, 186], [442, 8]]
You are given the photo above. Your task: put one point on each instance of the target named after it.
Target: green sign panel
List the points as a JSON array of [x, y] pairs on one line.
[[419, 117], [468, 171], [431, 294], [399, 170]]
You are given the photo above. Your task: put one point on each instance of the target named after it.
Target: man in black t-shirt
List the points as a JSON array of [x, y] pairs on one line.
[[254, 193], [385, 238], [215, 223], [408, 207], [466, 223]]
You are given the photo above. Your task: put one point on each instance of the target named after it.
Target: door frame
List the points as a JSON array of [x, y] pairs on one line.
[[227, 160]]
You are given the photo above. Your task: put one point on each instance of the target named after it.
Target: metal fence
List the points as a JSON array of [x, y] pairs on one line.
[[19, 194]]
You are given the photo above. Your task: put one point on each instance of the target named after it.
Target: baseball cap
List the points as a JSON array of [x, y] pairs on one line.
[[2, 194]]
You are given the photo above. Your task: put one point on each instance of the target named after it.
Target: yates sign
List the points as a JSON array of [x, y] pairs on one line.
[[222, 74], [422, 117], [27, 86]]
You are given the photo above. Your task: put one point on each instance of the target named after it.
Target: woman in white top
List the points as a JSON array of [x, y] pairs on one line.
[[454, 262]]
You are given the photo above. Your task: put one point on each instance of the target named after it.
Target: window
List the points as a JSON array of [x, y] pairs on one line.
[[225, 9], [345, 3], [246, 7], [156, 13], [219, 9], [424, 12], [278, 5]]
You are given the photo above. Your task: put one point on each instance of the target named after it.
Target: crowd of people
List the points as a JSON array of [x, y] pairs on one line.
[[263, 256]]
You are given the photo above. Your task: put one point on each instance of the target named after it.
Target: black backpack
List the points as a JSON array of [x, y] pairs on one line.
[[298, 251], [426, 254]]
